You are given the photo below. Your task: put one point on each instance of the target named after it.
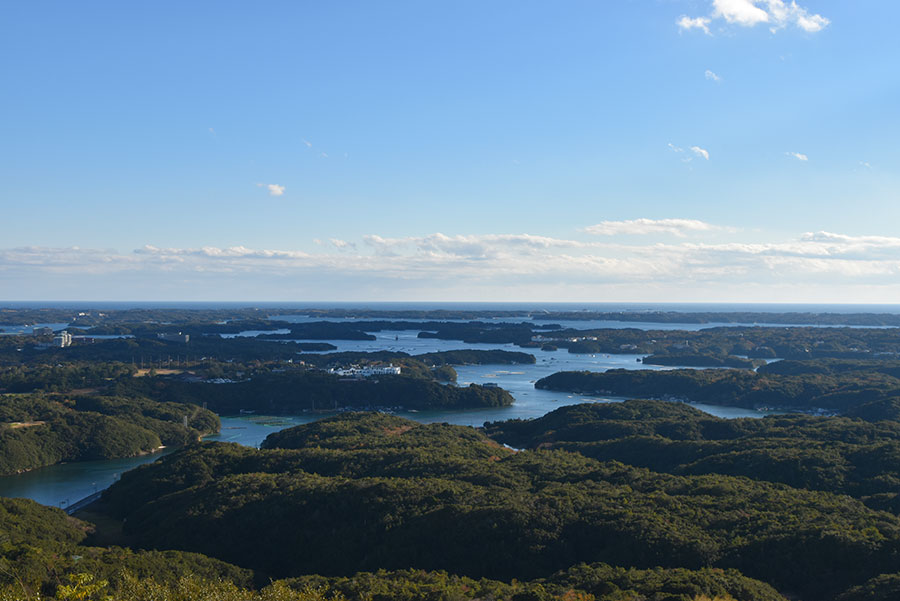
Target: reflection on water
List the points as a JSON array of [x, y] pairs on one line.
[[63, 484]]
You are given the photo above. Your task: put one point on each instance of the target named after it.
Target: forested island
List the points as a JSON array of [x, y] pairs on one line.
[[85, 411], [37, 430], [871, 389], [856, 457], [643, 499]]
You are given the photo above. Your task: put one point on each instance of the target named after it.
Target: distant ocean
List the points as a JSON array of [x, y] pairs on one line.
[[472, 306]]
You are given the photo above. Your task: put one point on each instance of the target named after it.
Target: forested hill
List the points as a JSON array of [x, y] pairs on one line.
[[837, 392], [46, 555], [362, 492], [40, 429], [834, 454]]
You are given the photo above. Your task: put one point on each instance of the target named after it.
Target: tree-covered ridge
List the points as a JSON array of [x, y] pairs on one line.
[[298, 391], [46, 554], [37, 430], [397, 494], [50, 377], [738, 388], [833, 454]]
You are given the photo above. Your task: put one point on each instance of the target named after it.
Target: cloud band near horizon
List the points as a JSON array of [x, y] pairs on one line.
[[483, 266]]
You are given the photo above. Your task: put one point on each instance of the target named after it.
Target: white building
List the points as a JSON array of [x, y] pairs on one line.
[[63, 340]]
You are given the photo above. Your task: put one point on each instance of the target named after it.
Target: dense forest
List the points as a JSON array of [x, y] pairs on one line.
[[368, 506], [37, 430], [295, 392], [45, 553], [834, 454], [839, 392], [362, 492]]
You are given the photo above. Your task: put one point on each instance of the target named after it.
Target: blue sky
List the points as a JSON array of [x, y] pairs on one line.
[[645, 150]]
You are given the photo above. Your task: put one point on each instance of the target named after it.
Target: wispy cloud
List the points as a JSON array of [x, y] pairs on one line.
[[700, 152], [676, 227], [712, 76], [307, 143], [776, 14], [696, 150], [798, 155], [342, 244], [686, 23]]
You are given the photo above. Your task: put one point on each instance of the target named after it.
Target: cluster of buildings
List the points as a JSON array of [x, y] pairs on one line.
[[355, 371], [179, 337], [63, 340]]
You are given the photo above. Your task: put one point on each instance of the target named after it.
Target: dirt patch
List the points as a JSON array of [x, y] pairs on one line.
[[396, 431], [159, 371]]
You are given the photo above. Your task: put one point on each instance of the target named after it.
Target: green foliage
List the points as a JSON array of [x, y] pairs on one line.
[[295, 392], [831, 454], [61, 378], [366, 492], [82, 587], [885, 587], [38, 429], [737, 388]]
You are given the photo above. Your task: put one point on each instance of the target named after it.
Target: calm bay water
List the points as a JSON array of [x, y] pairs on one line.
[[61, 485]]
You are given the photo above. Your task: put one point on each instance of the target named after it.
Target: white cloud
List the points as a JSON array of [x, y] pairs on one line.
[[677, 227], [275, 189], [742, 12], [483, 266], [686, 23], [700, 152], [342, 244], [777, 14], [712, 76], [798, 155], [812, 23], [307, 143]]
